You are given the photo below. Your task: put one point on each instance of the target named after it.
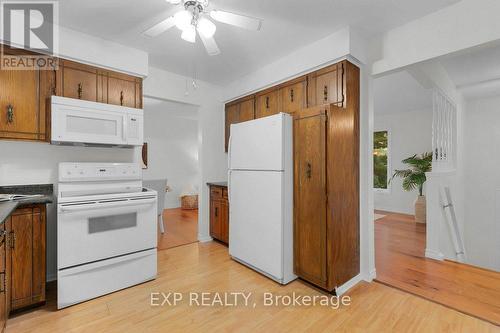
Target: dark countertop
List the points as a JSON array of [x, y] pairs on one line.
[[221, 184], [7, 207]]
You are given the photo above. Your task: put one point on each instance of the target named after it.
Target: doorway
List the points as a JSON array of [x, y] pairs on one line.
[[171, 166]]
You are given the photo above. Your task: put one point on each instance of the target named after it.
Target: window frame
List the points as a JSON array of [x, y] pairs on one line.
[[387, 190]]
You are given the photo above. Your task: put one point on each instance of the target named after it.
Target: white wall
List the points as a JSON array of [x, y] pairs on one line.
[[171, 131], [482, 182], [466, 24], [410, 133]]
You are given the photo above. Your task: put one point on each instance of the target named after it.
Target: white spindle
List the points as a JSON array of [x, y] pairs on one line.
[[443, 129]]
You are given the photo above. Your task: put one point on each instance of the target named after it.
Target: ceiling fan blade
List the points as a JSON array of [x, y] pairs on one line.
[[160, 28], [210, 45], [245, 22]]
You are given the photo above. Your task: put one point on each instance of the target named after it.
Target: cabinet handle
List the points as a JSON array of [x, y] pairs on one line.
[[309, 170], [216, 212], [291, 95], [267, 102], [325, 93], [10, 114], [12, 239], [80, 90], [121, 98], [3, 284]]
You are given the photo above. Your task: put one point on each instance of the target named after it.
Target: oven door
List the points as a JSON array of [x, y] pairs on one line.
[[96, 230]]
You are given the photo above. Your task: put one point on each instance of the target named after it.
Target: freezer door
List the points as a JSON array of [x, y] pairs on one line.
[[258, 144], [255, 220]]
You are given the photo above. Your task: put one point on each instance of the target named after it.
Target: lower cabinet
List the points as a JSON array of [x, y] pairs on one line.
[[219, 214], [25, 257], [4, 312]]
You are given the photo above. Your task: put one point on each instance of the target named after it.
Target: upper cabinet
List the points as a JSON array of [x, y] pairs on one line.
[[326, 86], [124, 90], [79, 81], [238, 111], [293, 95], [90, 83], [25, 94], [267, 103]]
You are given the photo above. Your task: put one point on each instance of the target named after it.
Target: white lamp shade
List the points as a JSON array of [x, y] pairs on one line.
[[183, 19], [189, 34], [206, 28]]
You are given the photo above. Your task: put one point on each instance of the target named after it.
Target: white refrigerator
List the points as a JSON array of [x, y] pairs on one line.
[[260, 183]]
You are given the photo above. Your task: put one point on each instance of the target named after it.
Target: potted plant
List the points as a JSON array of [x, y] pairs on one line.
[[414, 178]]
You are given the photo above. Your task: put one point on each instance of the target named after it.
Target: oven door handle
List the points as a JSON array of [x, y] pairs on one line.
[[108, 204]]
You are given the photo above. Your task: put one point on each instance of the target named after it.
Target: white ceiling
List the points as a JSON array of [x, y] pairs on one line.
[[288, 25], [476, 72], [400, 92]]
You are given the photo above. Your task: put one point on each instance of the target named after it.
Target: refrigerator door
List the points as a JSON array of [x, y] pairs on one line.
[[258, 144], [256, 220]]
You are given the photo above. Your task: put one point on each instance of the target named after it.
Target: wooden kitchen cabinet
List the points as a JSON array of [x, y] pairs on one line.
[[23, 97], [326, 185], [27, 243], [267, 103], [219, 214], [326, 86], [238, 111], [293, 95], [124, 90], [79, 81]]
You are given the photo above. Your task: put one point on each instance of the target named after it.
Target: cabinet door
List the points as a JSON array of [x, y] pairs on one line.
[[122, 91], [247, 110], [215, 219], [326, 86], [232, 117], [19, 107], [293, 96], [225, 221], [267, 104], [310, 199], [21, 258], [39, 257], [79, 81]]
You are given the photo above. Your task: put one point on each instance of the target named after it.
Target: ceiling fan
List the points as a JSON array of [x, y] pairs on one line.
[[195, 18]]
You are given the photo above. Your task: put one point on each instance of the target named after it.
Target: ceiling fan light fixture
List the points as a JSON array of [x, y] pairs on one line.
[[206, 27], [189, 34], [183, 19]]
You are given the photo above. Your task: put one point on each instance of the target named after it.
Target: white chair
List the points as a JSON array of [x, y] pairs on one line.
[[160, 186]]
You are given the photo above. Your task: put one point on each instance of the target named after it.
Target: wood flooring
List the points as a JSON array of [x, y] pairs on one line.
[[181, 228], [207, 267], [400, 262]]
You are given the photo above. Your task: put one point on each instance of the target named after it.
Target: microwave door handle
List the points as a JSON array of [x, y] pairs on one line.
[[124, 128], [104, 205]]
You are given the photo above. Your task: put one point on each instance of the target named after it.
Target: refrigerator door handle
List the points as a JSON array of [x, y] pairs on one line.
[[229, 186]]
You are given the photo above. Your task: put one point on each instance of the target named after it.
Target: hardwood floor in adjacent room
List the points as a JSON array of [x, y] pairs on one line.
[[207, 267], [181, 228], [401, 262]]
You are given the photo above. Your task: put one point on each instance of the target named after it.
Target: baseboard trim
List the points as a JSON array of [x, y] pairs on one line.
[[204, 238], [339, 291], [433, 254]]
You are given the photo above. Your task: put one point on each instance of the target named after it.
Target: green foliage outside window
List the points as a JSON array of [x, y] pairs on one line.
[[380, 151]]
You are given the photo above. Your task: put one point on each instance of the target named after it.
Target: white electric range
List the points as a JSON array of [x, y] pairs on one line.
[[106, 230]]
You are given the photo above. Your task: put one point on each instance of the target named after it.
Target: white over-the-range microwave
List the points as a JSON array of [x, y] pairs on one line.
[[85, 123]]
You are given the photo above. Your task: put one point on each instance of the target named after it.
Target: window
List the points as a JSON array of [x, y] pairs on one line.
[[381, 160]]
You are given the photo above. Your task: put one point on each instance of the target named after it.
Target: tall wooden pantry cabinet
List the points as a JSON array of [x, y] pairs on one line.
[[326, 198]]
